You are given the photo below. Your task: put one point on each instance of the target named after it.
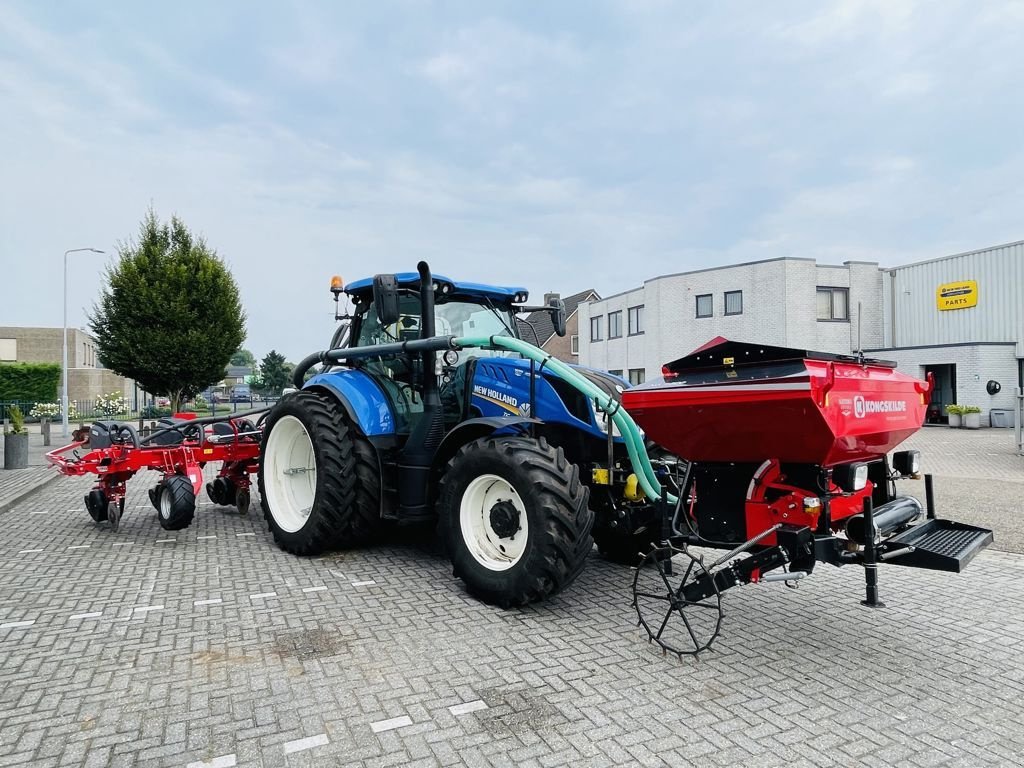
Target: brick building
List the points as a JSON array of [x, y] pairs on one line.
[[537, 327], [792, 302], [87, 378], [959, 318]]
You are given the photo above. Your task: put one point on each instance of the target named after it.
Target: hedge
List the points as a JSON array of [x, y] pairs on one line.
[[29, 382]]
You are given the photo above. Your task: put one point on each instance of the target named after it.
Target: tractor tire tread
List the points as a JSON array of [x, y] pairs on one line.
[[183, 503], [347, 503], [556, 490]]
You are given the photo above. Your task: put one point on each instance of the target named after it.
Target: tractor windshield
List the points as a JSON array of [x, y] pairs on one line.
[[452, 318]]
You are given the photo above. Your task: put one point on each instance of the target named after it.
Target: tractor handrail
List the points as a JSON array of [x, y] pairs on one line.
[[627, 427], [413, 346]]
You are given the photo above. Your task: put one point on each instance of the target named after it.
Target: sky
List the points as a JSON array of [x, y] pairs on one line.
[[554, 145]]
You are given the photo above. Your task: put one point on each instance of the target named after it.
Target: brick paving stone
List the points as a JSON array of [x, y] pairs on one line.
[[799, 677]]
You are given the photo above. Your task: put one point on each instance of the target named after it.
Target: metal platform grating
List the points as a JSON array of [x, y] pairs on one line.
[[950, 542]]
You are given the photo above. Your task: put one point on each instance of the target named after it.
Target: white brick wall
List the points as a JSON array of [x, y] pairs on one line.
[[975, 364], [779, 308]]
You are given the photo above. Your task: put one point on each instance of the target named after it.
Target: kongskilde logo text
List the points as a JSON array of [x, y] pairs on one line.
[[862, 407]]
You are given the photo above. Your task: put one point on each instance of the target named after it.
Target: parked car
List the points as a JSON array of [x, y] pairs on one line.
[[163, 402], [240, 393]]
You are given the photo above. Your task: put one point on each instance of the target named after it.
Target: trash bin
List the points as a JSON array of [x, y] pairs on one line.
[[1001, 417]]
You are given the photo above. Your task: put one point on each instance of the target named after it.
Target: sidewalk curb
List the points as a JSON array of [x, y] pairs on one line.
[[9, 503]]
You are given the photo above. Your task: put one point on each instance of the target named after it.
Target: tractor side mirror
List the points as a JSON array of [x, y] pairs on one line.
[[385, 299], [557, 309]]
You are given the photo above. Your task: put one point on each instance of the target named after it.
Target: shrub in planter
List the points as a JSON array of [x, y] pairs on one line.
[[955, 413], [971, 416], [16, 441]]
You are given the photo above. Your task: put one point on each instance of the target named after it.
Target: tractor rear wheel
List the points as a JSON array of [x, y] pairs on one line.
[[177, 503], [319, 482], [515, 518]]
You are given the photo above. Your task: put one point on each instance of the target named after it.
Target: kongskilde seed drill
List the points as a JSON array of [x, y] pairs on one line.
[[789, 466]]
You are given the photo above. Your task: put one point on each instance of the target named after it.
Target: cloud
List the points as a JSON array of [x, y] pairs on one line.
[[559, 146]]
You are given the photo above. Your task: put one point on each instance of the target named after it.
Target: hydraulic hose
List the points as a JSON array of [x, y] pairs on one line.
[[627, 427]]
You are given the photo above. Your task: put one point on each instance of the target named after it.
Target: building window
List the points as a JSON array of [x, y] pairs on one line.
[[616, 372], [734, 302], [705, 305], [595, 328], [833, 303], [574, 344], [636, 376], [614, 325], [636, 320]]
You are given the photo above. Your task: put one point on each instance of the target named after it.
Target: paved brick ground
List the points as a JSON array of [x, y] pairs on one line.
[[153, 648], [984, 454]]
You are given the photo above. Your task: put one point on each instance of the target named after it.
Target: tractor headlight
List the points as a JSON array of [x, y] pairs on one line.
[[907, 463], [851, 477]]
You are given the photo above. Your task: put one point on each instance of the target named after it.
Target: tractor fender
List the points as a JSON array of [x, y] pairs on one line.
[[363, 400], [473, 429]]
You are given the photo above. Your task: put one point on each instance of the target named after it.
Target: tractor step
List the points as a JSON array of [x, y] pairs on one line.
[[939, 545]]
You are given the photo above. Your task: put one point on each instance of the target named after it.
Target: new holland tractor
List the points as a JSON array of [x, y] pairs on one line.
[[422, 412]]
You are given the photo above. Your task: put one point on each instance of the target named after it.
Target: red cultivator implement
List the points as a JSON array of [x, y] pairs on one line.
[[179, 448], [788, 466]]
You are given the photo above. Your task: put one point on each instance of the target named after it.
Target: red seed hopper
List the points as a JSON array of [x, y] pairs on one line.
[[786, 466], [732, 401]]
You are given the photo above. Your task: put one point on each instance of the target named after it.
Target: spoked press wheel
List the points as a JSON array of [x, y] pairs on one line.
[[515, 518], [319, 481], [177, 503], [679, 625]]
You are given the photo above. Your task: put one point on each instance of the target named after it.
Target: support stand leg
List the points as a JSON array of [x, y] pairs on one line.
[[870, 559]]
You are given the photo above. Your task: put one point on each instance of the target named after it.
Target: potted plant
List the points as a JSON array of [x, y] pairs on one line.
[[971, 416], [16, 441], [954, 412]]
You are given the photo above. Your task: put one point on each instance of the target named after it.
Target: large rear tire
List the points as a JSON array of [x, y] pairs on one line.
[[515, 519], [319, 482]]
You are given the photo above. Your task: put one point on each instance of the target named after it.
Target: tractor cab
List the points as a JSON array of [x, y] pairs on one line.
[[388, 309], [460, 309]]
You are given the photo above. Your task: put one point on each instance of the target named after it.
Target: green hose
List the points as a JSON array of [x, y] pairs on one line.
[[627, 427]]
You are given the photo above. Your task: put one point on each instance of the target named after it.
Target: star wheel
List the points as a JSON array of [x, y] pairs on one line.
[[672, 609]]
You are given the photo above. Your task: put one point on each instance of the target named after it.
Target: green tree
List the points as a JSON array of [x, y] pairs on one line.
[[243, 357], [170, 315], [274, 373]]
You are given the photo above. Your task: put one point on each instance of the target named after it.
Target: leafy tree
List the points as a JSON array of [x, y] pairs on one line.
[[170, 316], [274, 374], [243, 357]]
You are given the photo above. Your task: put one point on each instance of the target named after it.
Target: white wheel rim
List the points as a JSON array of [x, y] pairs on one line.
[[483, 542], [289, 474], [165, 503]]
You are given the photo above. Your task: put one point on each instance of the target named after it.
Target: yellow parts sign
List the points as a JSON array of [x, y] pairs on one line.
[[959, 295]]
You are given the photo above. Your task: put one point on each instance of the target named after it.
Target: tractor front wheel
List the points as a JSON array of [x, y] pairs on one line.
[[515, 519], [319, 482]]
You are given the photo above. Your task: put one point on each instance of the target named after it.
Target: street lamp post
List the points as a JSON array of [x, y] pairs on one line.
[[64, 352]]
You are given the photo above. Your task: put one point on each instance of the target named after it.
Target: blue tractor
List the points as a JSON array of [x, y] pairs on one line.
[[406, 422]]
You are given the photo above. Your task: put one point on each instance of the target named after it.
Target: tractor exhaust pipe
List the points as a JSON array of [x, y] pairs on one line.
[[417, 456], [898, 513]]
